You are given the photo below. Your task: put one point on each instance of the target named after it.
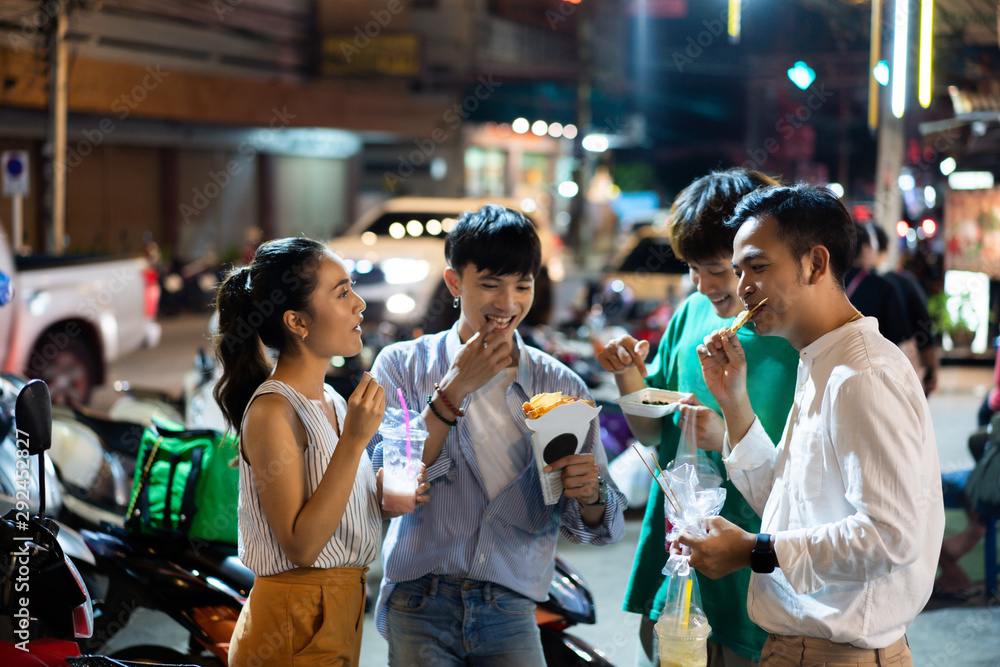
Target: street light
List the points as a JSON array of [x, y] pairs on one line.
[[926, 41], [568, 189], [874, 61], [899, 38], [735, 19], [596, 143]]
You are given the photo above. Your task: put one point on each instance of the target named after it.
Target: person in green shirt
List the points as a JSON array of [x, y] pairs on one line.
[[698, 237]]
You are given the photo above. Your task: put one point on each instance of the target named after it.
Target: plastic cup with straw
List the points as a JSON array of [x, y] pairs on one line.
[[402, 448]]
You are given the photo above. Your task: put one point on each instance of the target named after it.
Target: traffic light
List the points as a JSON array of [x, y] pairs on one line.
[[801, 75]]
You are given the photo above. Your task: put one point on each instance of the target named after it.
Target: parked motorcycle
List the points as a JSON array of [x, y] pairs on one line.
[[203, 586], [44, 603]]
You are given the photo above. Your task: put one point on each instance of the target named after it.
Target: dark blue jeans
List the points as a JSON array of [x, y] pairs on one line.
[[443, 621]]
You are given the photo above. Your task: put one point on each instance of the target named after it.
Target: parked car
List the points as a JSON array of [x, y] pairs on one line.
[[67, 317], [396, 253]]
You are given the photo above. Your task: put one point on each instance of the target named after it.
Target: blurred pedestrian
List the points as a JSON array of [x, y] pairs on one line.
[[872, 294], [699, 237], [917, 316], [991, 402], [309, 506], [850, 500], [464, 573]]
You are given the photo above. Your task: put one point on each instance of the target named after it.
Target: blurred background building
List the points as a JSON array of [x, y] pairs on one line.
[[198, 124]]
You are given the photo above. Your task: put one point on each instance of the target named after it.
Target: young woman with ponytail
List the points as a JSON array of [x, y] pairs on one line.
[[309, 508]]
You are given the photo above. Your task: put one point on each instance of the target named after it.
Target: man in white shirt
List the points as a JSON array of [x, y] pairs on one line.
[[850, 499]]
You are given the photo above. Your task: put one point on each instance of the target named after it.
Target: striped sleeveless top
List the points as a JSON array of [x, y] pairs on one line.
[[355, 543]]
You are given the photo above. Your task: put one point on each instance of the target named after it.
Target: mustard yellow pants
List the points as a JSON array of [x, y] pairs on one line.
[[784, 651], [303, 617]]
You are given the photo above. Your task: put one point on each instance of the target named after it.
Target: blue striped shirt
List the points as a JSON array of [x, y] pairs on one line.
[[511, 539], [355, 542]]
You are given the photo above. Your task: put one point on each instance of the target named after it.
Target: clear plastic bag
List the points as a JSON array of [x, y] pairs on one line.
[[708, 475], [686, 504], [682, 629]]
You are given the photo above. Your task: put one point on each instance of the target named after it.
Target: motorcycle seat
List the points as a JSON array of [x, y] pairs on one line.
[[223, 563], [118, 436]]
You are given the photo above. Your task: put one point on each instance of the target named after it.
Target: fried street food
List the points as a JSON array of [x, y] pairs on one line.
[[745, 316], [542, 403]]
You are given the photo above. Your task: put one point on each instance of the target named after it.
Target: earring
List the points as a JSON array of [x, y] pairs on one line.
[[454, 302], [304, 336]]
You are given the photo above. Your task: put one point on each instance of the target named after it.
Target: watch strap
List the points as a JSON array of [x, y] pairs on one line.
[[763, 559]]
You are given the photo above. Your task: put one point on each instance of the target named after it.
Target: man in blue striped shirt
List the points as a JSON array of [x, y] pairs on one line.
[[464, 571]]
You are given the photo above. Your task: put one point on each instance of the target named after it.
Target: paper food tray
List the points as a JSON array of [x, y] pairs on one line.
[[633, 403], [559, 432]]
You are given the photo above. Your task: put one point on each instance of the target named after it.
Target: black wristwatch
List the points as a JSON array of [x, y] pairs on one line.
[[602, 496], [763, 560]]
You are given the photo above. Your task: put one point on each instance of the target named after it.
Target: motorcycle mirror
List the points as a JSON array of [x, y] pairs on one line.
[[33, 417]]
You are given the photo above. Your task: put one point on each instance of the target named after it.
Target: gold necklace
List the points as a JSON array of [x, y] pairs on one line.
[[856, 316]]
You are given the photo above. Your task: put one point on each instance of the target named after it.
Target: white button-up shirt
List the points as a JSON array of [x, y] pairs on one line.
[[852, 495]]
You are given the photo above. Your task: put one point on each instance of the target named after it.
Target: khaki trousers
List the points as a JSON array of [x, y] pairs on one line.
[[303, 617], [785, 651]]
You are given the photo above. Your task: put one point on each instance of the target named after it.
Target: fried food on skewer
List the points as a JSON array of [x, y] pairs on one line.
[[745, 316]]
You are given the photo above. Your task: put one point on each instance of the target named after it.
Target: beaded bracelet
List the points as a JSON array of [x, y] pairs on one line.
[[430, 402], [458, 412]]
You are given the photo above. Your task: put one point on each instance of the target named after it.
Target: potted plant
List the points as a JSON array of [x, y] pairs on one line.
[[959, 321]]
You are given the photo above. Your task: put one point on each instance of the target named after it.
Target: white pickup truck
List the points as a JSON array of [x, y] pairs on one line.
[[63, 319]]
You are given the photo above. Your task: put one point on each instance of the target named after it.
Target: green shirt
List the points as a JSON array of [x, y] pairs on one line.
[[772, 364]]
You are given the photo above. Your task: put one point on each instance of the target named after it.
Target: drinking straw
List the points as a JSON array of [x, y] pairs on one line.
[[406, 420], [687, 604]]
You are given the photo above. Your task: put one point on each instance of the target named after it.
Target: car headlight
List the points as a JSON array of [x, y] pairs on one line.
[[399, 271]]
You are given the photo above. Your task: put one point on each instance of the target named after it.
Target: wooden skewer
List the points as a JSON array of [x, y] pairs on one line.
[[666, 493], [676, 503]]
